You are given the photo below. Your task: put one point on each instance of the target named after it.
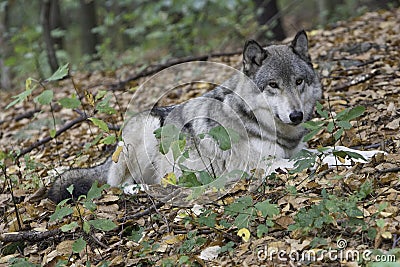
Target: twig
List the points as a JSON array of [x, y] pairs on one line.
[[376, 145], [233, 238], [25, 115], [48, 138], [395, 169], [357, 80], [31, 236], [143, 213], [150, 70]]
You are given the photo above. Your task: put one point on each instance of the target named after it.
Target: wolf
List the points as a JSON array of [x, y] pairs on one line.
[[264, 106]]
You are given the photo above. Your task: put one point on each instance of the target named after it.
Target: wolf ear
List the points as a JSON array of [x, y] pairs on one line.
[[253, 55], [300, 45]]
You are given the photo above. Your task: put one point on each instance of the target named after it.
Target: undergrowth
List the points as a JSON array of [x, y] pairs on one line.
[[240, 218]]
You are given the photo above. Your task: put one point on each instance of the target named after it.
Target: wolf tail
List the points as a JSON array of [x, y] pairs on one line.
[[82, 179]]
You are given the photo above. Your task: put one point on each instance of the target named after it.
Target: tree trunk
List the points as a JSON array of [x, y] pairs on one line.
[[48, 40], [5, 72], [56, 22], [268, 15], [88, 22]]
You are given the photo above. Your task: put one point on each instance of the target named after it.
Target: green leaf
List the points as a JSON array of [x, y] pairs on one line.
[[78, 245], [228, 247], [71, 103], [323, 113], [69, 227], [304, 159], [183, 259], [261, 230], [100, 123], [239, 205], [355, 155], [103, 224], [100, 94], [45, 97], [167, 135], [205, 177], [70, 189], [86, 227], [136, 235], [61, 73], [177, 148], [365, 190], [104, 106], [338, 134], [20, 98], [244, 219], [60, 213], [380, 223], [224, 137], [330, 127], [310, 135], [53, 133], [109, 140], [344, 124], [208, 219], [95, 192], [353, 113], [313, 125], [188, 179], [267, 209], [89, 205]]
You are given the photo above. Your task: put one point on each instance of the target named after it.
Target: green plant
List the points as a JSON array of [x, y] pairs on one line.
[[172, 139], [65, 208], [245, 212], [100, 102], [336, 126], [21, 262], [192, 242], [334, 208]]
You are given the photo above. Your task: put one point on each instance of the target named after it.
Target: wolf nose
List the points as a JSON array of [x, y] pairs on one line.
[[296, 117]]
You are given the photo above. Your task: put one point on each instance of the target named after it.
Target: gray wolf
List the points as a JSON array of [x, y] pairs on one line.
[[264, 106]]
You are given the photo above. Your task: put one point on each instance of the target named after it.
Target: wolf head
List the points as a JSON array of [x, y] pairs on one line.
[[285, 76]]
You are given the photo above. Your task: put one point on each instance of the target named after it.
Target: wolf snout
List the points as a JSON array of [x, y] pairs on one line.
[[296, 117]]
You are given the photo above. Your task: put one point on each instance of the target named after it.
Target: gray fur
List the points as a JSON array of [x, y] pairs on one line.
[[265, 107]]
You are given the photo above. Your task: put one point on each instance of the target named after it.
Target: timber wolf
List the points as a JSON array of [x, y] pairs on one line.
[[264, 106]]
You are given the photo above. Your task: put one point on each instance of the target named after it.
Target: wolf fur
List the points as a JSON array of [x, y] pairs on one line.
[[265, 107]]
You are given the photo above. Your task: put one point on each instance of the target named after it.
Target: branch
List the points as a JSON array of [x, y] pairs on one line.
[[48, 138], [152, 69], [142, 213], [357, 80], [26, 115], [31, 236], [395, 169]]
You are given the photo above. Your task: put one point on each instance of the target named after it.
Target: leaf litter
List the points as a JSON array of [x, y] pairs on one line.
[[358, 61]]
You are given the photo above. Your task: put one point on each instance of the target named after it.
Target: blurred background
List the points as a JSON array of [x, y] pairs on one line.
[[36, 37]]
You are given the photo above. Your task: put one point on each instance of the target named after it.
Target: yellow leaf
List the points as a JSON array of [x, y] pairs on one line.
[[28, 83], [89, 97], [170, 178], [244, 233], [387, 235], [118, 150], [172, 239]]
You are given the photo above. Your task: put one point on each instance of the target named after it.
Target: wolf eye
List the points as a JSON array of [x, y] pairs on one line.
[[273, 85], [299, 81]]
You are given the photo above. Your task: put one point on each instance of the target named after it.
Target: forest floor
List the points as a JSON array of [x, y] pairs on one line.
[[359, 64]]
